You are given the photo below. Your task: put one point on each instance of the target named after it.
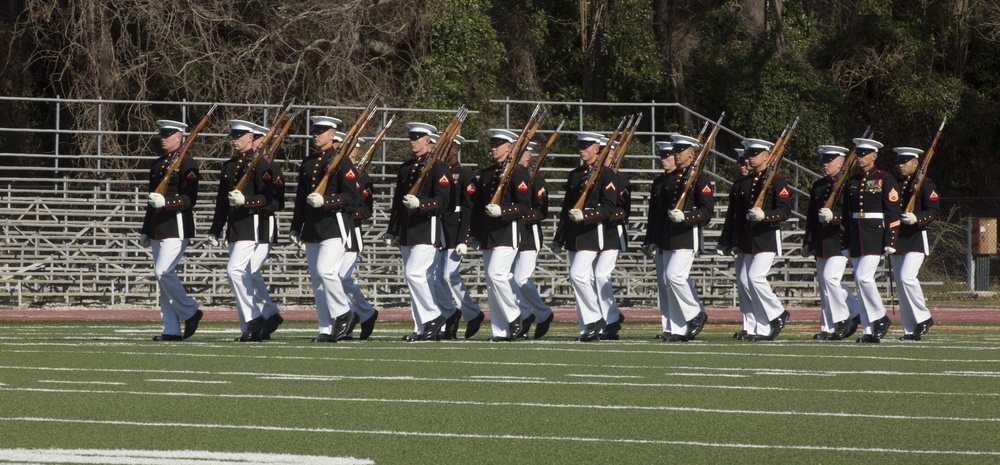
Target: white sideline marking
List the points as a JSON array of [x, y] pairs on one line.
[[711, 375], [583, 375], [523, 380], [522, 404], [509, 436], [194, 381], [55, 381], [174, 457]]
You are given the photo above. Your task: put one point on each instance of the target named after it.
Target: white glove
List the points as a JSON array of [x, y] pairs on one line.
[[556, 248], [474, 243], [294, 237], [807, 250], [144, 241], [756, 214], [461, 249], [676, 216], [846, 253], [909, 218], [156, 200], [653, 249], [493, 210], [576, 215], [213, 239], [411, 201], [890, 250], [825, 215], [391, 240], [724, 250], [236, 198], [315, 200]]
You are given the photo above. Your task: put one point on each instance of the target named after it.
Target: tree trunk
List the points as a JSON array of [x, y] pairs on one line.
[[675, 43], [594, 24]]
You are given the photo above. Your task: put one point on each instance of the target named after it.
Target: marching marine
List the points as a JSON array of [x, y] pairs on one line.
[[870, 217], [912, 246], [241, 213], [168, 227]]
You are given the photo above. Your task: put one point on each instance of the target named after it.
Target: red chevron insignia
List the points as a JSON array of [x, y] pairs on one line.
[[444, 180], [350, 174], [784, 193], [934, 195], [707, 190], [522, 187]]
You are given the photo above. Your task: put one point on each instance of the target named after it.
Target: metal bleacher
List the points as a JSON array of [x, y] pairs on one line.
[[70, 237]]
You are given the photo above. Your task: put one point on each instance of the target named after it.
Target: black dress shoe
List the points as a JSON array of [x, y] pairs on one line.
[[909, 337], [676, 338], [500, 339], [696, 325], [342, 325], [778, 324], [541, 329], [411, 337], [843, 329], [922, 328], [616, 327], [758, 338], [525, 326], [740, 335], [368, 326], [323, 337], [514, 327], [609, 337], [431, 329], [252, 333], [472, 326], [168, 337], [450, 330], [868, 339], [852, 327], [881, 327], [191, 324], [592, 331], [822, 336], [271, 325]]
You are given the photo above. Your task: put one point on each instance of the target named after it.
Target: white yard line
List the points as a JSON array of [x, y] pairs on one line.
[[664, 408], [513, 437]]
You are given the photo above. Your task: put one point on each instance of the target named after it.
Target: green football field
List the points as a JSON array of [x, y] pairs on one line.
[[106, 392]]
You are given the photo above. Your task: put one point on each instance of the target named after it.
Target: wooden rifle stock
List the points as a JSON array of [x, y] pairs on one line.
[[161, 188], [260, 148], [845, 172], [370, 152], [515, 153], [454, 126], [595, 169], [922, 172], [347, 144], [620, 153], [545, 150], [695, 168], [273, 148], [772, 168]]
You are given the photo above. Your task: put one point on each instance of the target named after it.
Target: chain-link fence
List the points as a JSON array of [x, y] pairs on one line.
[[963, 263]]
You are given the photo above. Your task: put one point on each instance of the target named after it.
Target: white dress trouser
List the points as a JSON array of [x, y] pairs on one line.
[[459, 291], [418, 263], [357, 302], [605, 264], [240, 276], [324, 260], [500, 289], [912, 307], [743, 293], [439, 285], [261, 296], [531, 302], [581, 277], [837, 302], [871, 302], [682, 301], [766, 306], [175, 304], [662, 297]]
